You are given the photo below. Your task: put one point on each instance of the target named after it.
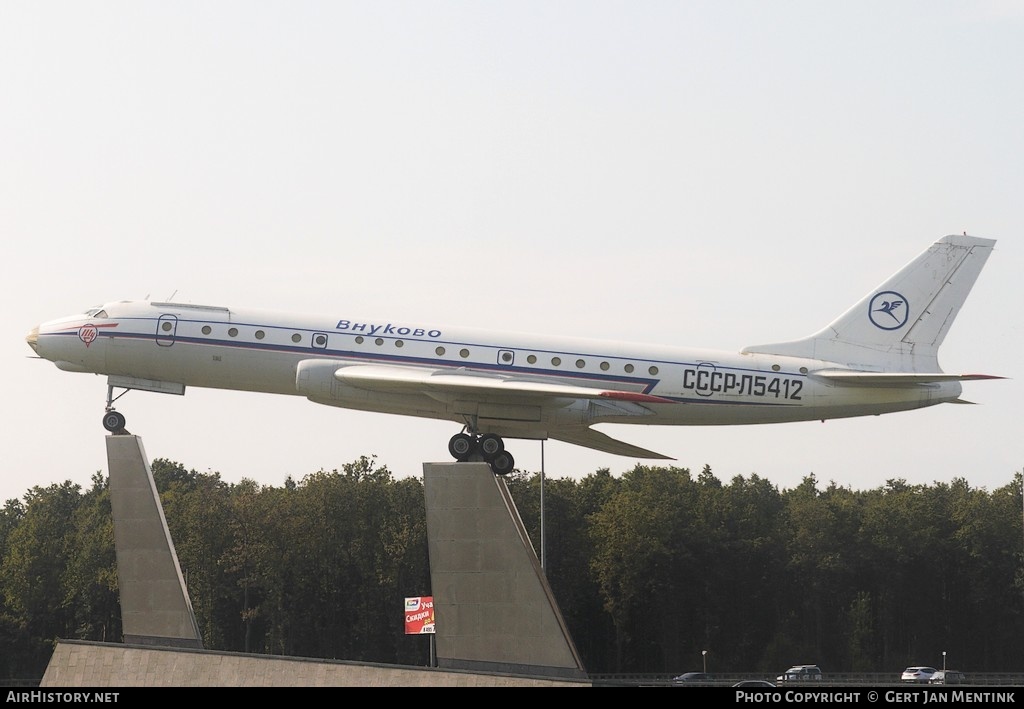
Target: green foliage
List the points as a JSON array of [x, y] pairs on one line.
[[58, 576], [650, 568]]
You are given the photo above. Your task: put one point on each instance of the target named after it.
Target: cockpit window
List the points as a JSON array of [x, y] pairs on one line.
[[96, 313]]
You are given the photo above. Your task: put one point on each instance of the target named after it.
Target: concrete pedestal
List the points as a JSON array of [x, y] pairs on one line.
[[493, 608], [155, 606]]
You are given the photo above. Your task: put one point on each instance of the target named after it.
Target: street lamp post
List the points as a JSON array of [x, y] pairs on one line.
[[705, 654], [943, 660]]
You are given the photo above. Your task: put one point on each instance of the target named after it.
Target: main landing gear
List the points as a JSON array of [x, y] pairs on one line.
[[488, 447]]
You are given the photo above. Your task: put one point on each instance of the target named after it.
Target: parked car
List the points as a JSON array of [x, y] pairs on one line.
[[754, 683], [919, 674], [693, 677], [947, 677], [800, 673]]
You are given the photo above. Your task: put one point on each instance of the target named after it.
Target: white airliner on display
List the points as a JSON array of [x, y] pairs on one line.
[[880, 356]]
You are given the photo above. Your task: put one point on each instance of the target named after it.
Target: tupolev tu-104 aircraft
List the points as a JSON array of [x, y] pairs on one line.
[[878, 357]]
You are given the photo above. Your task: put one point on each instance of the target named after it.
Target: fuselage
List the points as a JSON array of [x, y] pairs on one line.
[[280, 353]]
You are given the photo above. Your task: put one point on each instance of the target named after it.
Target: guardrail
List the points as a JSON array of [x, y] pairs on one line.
[[830, 679]]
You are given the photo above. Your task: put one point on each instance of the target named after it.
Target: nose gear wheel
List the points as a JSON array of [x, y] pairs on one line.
[[114, 421]]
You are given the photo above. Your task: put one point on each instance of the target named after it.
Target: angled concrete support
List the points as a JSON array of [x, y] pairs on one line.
[[497, 621], [493, 608], [155, 607]]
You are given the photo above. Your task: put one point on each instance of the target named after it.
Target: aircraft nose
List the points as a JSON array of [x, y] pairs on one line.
[[33, 339]]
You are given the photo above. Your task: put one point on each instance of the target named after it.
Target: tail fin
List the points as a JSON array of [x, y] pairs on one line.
[[899, 326]]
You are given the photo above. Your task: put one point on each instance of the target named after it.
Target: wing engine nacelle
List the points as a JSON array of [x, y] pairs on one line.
[[317, 380], [314, 379]]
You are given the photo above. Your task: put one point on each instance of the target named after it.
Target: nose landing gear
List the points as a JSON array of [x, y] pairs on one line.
[[114, 421], [488, 447]]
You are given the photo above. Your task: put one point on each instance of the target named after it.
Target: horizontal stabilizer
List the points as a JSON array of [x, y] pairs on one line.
[[884, 379], [589, 438]]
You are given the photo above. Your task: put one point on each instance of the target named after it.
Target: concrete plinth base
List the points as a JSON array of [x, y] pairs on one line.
[[96, 665]]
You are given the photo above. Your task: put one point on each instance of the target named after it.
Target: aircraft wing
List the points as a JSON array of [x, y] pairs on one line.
[[883, 379], [495, 390], [589, 438], [397, 379]]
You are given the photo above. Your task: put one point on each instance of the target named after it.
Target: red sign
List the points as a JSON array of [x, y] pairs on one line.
[[419, 615]]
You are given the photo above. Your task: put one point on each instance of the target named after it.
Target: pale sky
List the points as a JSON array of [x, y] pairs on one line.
[[708, 174]]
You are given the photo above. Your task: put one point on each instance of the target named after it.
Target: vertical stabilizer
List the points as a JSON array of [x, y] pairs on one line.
[[898, 326]]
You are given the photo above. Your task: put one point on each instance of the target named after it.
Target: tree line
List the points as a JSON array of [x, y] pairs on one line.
[[650, 569]]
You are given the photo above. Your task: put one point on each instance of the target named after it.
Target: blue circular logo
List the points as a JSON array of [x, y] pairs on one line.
[[888, 310]]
